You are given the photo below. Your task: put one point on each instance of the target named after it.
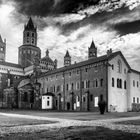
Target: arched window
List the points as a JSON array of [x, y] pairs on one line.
[[119, 63], [124, 84], [118, 83], [113, 82]]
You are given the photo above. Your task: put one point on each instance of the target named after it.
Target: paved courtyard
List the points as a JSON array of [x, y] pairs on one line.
[[15, 122]]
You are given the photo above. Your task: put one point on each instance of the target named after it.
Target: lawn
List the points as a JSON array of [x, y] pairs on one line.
[[75, 133], [130, 122], [10, 122]]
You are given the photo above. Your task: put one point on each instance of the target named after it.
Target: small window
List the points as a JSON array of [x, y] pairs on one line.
[[124, 84], [67, 87], [84, 99], [101, 82], [133, 99], [48, 97], [86, 69], [113, 82], [28, 34], [124, 71], [69, 73], [119, 66], [72, 86], [137, 100], [91, 98], [33, 34], [96, 83], [112, 67], [78, 72], [48, 103], [133, 83], [137, 84]]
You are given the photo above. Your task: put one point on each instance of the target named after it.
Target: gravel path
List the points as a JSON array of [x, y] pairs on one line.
[[107, 123]]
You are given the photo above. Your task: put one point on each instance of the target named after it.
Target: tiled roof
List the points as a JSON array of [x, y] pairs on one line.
[[10, 64], [84, 63]]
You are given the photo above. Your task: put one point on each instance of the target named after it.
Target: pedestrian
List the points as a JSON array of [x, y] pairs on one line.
[[102, 104]]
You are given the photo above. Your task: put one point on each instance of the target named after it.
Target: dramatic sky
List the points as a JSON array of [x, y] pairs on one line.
[[72, 24]]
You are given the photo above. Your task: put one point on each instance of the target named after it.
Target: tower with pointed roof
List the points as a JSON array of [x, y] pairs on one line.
[[2, 49], [29, 50], [92, 51], [67, 59]]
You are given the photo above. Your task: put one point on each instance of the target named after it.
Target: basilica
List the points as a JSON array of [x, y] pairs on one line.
[[37, 83]]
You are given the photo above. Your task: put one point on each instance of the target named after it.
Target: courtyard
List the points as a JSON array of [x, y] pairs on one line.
[[44, 125]]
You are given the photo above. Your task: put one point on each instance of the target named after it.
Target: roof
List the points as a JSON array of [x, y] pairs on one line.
[[92, 45], [87, 62], [48, 94], [135, 71], [30, 25], [67, 54], [47, 59], [10, 64]]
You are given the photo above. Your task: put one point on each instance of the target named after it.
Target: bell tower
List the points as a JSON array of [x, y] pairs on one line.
[[92, 51], [67, 59], [29, 50], [30, 34], [2, 49]]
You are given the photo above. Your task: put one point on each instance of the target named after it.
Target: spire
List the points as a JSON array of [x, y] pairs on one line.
[[30, 25], [92, 45], [1, 39], [47, 52], [67, 54]]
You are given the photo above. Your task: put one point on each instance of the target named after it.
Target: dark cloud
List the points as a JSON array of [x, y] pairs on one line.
[[128, 27], [43, 8]]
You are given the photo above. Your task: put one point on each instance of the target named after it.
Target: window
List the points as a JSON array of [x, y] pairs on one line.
[[112, 67], [124, 71], [48, 97], [70, 74], [28, 34], [113, 82], [48, 103], [67, 87], [72, 86], [84, 99], [119, 66], [119, 83], [78, 72], [133, 99], [137, 84], [33, 34], [86, 69], [91, 98], [133, 83], [101, 82], [124, 84], [137, 100], [96, 83]]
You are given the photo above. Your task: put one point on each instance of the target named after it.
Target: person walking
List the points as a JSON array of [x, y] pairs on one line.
[[102, 104]]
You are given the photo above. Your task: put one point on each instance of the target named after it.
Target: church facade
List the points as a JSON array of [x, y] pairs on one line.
[[36, 82]]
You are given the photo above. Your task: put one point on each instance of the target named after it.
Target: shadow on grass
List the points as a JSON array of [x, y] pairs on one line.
[[75, 133], [130, 122]]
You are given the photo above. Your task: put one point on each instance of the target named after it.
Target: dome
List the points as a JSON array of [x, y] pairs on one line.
[[47, 59]]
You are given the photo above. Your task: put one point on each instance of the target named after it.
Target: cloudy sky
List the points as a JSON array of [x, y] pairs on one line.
[[72, 24]]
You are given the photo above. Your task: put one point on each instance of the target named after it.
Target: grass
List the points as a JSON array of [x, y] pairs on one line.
[[130, 122], [75, 133], [10, 122]]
